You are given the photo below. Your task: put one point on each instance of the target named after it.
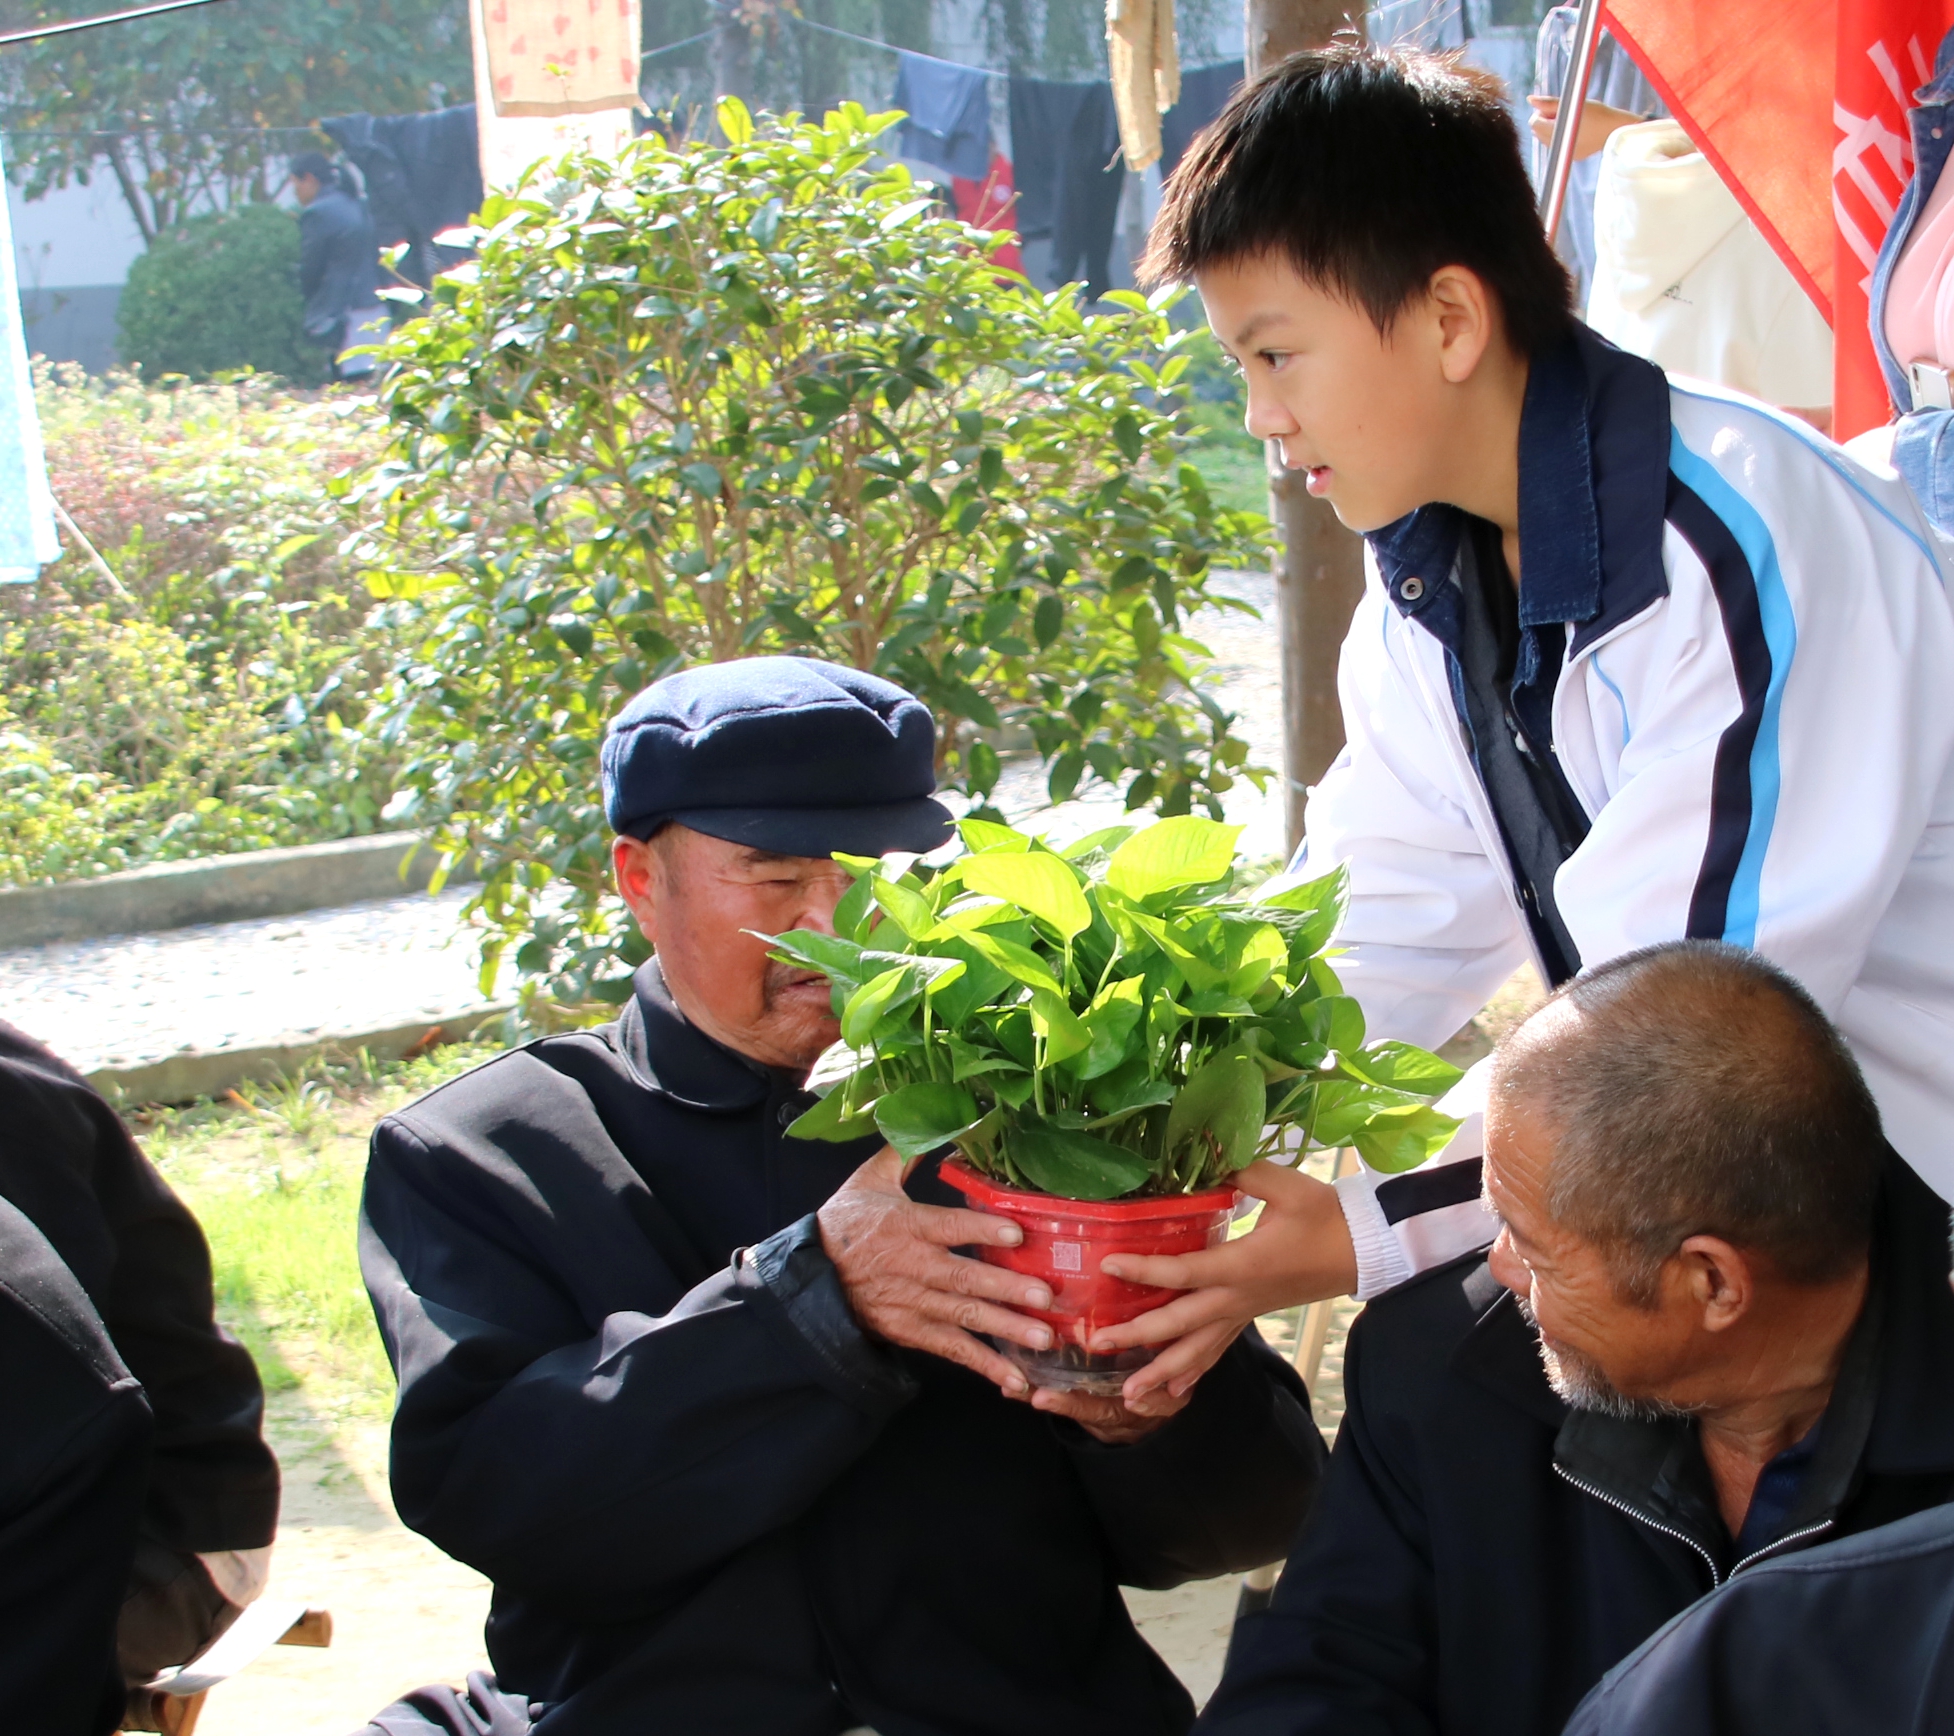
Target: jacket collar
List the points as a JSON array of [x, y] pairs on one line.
[[672, 1057], [1594, 465]]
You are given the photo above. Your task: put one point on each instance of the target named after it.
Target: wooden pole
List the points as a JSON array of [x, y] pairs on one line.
[[1320, 573]]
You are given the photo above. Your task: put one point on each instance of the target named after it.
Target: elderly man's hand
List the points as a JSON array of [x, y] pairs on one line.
[[905, 1285], [1109, 1419]]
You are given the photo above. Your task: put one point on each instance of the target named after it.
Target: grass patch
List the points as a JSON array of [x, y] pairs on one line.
[[273, 1174], [1229, 458]]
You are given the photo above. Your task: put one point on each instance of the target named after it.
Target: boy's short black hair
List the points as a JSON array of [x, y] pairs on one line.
[[1369, 169]]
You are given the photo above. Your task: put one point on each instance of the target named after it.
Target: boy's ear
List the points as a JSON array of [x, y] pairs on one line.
[[1467, 319]]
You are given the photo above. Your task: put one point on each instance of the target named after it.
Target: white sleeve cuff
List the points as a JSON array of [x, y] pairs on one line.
[[1381, 1262]]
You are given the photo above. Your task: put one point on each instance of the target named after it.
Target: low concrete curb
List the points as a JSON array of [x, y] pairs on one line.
[[193, 1073], [219, 889]]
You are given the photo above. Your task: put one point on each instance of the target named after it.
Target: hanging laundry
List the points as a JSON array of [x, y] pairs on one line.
[[1145, 67], [27, 539], [512, 144], [990, 204], [561, 57], [1205, 91], [949, 110], [1065, 140], [423, 175]]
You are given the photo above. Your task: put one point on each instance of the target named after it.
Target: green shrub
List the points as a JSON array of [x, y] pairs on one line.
[[218, 700], [696, 404], [218, 293]]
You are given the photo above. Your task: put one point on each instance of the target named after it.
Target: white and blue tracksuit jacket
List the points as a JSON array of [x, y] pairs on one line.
[[1740, 646]]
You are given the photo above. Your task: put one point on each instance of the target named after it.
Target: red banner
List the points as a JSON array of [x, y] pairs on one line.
[[1801, 105]]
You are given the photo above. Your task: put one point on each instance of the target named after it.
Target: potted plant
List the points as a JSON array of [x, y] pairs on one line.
[[1106, 1033]]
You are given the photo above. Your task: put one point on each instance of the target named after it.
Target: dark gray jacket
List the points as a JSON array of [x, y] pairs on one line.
[[1482, 1556], [1856, 1635], [339, 262], [632, 1394]]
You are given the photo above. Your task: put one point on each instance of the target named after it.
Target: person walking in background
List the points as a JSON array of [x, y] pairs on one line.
[[339, 265]]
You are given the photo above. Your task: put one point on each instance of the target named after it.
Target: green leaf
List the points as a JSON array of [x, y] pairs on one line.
[[1015, 961], [1037, 882], [1107, 840], [918, 1118], [1219, 1111], [987, 835], [1404, 1067], [1343, 1107], [908, 909], [1047, 619], [1111, 1021], [1185, 851], [1074, 1166], [1127, 437], [839, 960], [735, 121], [836, 1064], [1064, 1032], [1337, 1022], [852, 913], [1308, 914], [830, 1120], [1395, 1140], [878, 998]]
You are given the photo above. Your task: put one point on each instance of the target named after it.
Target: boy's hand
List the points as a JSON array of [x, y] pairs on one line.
[[1599, 123], [1299, 1251]]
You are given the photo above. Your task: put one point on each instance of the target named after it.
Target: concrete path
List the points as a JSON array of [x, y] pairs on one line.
[[190, 1012]]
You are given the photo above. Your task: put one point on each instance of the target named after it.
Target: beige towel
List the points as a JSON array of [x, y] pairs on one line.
[[1146, 73], [561, 57]]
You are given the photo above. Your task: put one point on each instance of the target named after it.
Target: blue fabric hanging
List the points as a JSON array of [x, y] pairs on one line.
[[27, 539], [949, 109]]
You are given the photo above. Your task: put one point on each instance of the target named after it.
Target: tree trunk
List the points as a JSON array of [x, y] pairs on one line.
[[731, 52], [1320, 574]]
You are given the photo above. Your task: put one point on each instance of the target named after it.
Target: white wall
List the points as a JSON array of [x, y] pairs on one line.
[[75, 235]]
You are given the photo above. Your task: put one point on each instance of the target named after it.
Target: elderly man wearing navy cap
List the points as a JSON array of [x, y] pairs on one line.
[[713, 1407]]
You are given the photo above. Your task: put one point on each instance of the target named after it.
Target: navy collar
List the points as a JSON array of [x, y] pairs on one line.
[[1594, 466], [673, 1057]]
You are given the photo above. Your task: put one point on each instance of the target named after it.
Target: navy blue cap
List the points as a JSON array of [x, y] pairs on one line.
[[784, 753]]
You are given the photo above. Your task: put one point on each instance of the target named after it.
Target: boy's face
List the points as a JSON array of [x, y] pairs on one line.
[[1369, 415]]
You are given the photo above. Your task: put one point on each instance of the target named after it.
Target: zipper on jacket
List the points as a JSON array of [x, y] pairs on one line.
[[1709, 1561], [1782, 1543]]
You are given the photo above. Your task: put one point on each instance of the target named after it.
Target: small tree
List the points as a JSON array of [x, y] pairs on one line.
[[764, 396], [218, 293]]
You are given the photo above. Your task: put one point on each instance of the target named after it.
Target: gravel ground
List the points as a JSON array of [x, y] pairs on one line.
[[132, 999]]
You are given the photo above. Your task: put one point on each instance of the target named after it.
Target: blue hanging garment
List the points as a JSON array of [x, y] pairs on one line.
[[27, 539], [949, 110]]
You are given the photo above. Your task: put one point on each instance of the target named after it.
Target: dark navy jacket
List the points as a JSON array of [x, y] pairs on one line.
[[631, 1393], [1852, 1636], [1481, 1556]]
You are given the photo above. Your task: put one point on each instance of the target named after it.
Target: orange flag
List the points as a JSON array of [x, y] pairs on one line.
[[1801, 105]]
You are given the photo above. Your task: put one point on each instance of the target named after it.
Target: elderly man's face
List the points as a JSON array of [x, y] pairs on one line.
[[1601, 1351], [696, 898]]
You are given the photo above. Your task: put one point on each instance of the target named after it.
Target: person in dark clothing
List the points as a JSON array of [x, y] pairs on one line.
[[339, 264], [210, 1509], [423, 175], [706, 1402], [73, 1473], [1715, 1329], [1852, 1635]]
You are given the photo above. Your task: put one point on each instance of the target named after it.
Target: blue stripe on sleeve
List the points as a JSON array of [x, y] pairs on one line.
[[1779, 630]]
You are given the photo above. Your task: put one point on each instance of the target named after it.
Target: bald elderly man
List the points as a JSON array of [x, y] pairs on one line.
[[1715, 1330], [713, 1407]]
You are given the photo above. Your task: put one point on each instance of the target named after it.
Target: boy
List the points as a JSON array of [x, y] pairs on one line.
[[1637, 660]]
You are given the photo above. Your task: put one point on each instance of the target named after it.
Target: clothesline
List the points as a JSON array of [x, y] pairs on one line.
[[890, 47]]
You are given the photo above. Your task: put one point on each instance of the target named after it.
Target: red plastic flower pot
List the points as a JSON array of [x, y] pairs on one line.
[[1064, 1241]]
